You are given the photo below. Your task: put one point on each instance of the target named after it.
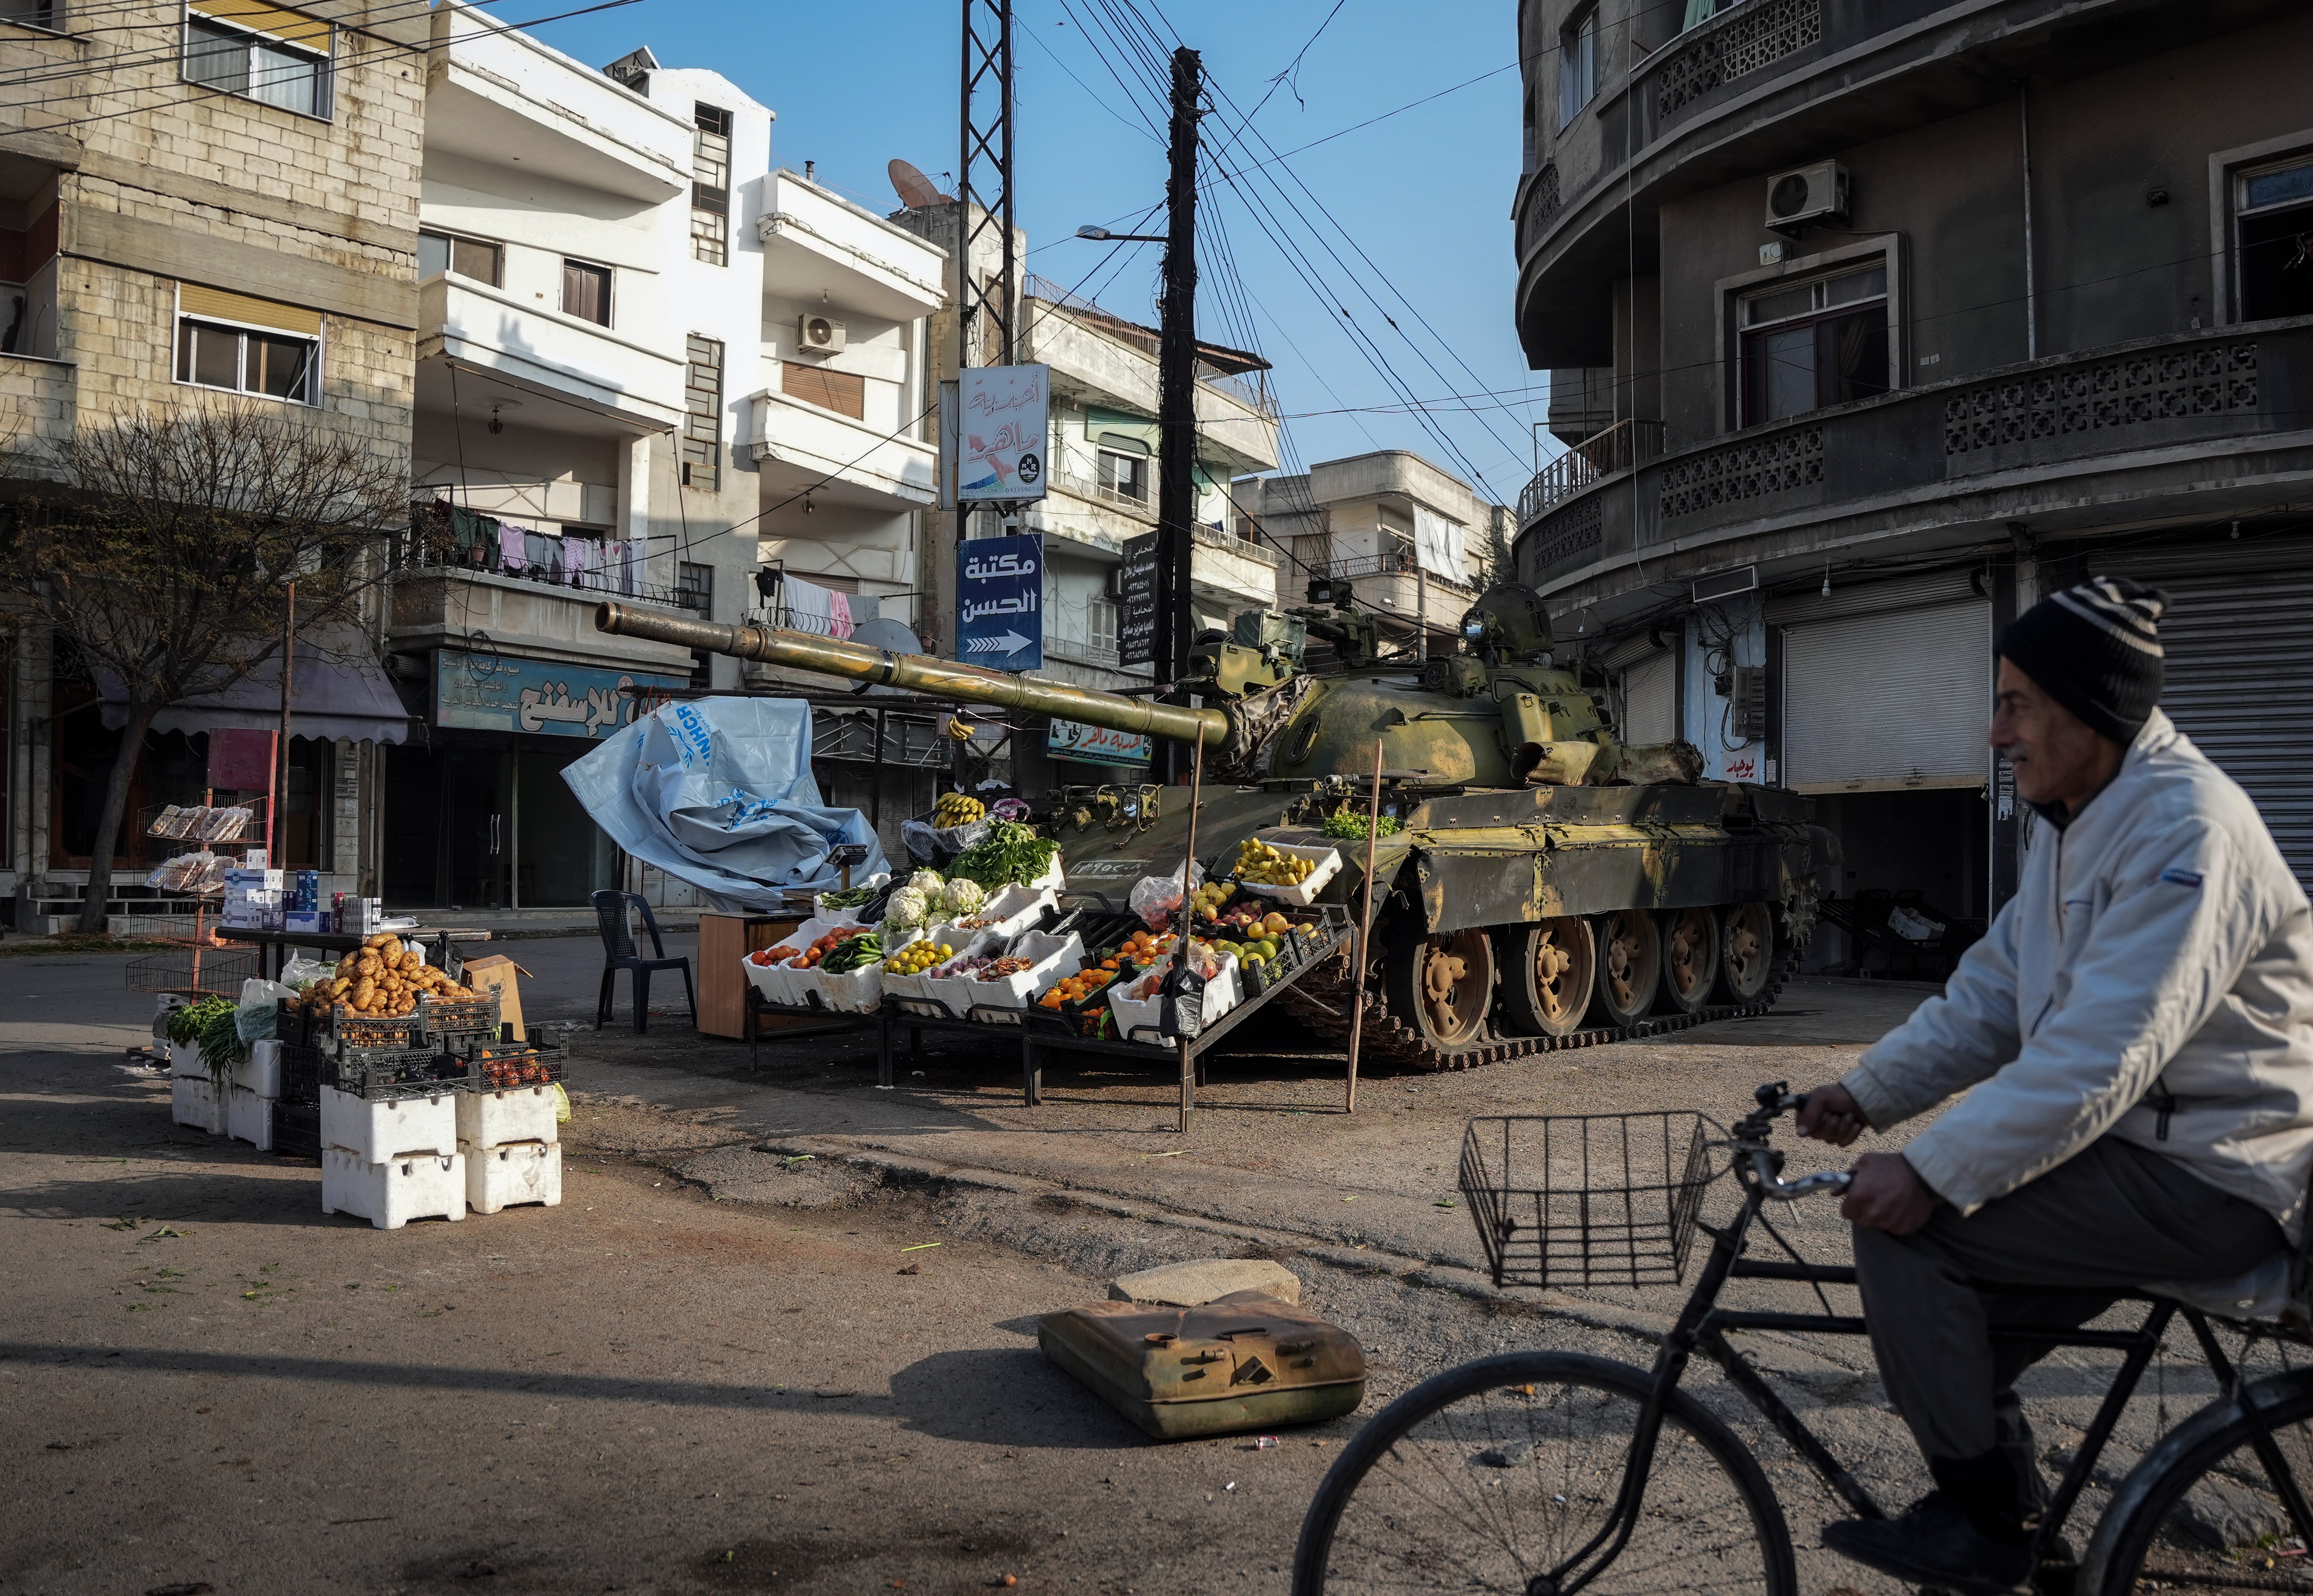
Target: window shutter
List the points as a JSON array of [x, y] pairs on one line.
[[843, 392], [216, 305], [294, 27]]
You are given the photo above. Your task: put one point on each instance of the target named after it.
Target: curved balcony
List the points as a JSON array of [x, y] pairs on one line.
[[2195, 426], [1770, 84]]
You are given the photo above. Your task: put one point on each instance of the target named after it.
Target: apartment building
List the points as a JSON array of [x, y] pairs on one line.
[[206, 203], [1415, 543], [1869, 324]]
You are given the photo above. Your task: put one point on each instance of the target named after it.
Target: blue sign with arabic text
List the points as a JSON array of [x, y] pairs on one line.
[[495, 693], [999, 601]]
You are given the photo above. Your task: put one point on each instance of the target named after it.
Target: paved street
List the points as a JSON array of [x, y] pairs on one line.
[[705, 1370]]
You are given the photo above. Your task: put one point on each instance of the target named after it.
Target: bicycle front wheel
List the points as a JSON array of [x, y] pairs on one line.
[[1497, 1475], [2207, 1509]]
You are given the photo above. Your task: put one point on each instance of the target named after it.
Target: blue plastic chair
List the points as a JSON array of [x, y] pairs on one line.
[[620, 952]]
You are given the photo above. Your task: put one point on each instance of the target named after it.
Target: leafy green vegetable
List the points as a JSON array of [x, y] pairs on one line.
[[1011, 852], [847, 898], [1344, 822], [219, 1039], [185, 1024], [856, 953]]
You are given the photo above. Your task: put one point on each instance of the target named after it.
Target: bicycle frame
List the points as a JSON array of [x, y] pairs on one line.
[[1703, 1325]]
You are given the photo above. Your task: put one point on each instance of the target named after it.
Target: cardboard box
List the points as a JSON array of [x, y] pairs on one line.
[[311, 922], [496, 973]]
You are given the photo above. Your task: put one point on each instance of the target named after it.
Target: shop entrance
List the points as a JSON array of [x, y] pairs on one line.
[[1926, 851], [485, 825]]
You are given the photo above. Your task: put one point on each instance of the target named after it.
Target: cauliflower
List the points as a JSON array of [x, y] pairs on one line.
[[909, 907], [925, 881], [964, 895]]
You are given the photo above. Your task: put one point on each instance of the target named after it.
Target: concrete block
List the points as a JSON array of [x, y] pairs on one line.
[[1201, 1280]]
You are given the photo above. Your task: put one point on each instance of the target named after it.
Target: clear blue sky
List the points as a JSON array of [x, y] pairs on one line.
[[1426, 194]]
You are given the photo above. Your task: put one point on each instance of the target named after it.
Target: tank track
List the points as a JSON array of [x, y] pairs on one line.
[[1322, 1000]]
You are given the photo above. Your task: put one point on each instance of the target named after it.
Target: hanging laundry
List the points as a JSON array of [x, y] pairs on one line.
[[538, 556], [577, 559], [471, 535], [838, 614], [514, 547]]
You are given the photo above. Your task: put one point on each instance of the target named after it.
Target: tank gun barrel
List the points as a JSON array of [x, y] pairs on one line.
[[918, 673]]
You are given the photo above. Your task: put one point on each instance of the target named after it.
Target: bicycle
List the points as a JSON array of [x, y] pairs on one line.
[[1550, 1473]]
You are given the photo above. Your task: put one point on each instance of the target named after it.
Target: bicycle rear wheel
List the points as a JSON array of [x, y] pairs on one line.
[[2203, 1511], [1491, 1477]]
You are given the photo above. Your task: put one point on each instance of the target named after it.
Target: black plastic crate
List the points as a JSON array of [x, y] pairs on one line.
[[297, 1129], [440, 1019], [301, 1073], [350, 1030], [377, 1073], [506, 1064]]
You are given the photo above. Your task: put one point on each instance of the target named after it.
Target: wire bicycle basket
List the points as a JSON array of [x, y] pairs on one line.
[[1587, 1199]]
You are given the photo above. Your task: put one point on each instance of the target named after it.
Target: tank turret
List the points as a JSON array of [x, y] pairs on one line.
[[1547, 885]]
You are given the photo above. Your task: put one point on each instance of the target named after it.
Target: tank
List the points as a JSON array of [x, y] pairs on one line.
[[1548, 886]]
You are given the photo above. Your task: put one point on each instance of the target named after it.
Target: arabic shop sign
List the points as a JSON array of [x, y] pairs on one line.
[[1000, 453], [1071, 739], [1136, 634], [999, 601], [493, 693]]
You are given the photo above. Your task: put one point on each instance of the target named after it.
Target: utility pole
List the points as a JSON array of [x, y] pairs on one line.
[[985, 310], [1177, 390]]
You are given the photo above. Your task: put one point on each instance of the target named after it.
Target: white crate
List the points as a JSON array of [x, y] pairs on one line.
[[260, 1071], [426, 1185], [1014, 909], [1329, 865], [855, 992], [513, 1173], [185, 1062], [374, 1132], [1222, 993], [1054, 956], [915, 992], [786, 983], [193, 1101], [516, 1114], [248, 1118]]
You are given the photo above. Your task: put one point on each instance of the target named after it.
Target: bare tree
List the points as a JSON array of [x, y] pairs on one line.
[[165, 557]]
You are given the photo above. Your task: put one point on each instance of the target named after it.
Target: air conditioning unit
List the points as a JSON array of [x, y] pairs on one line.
[[818, 335], [1797, 200]]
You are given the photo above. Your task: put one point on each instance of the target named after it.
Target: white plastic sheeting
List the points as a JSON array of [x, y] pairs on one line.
[[719, 791], [1439, 544]]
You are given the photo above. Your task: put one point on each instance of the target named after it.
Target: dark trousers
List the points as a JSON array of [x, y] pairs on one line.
[[2111, 1218]]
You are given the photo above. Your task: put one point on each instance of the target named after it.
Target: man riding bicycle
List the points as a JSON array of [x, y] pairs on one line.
[[2137, 1028]]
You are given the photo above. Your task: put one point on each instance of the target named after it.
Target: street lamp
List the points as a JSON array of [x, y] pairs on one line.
[[1103, 235]]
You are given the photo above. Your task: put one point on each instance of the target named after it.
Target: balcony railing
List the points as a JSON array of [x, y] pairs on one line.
[[1622, 446], [1214, 537], [427, 550]]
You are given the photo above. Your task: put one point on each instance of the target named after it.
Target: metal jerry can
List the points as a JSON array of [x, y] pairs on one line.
[[1243, 1362]]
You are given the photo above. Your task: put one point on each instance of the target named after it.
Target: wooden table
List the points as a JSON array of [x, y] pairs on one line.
[[725, 940]]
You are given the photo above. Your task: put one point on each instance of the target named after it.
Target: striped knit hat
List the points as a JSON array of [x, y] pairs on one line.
[[2096, 649]]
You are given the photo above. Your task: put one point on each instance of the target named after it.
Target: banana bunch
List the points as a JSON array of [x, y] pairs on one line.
[[957, 808], [1258, 862]]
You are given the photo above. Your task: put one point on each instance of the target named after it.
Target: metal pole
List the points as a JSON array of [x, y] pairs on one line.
[[1188, 921], [1365, 923], [279, 801], [1176, 387], [2031, 281], [875, 788]]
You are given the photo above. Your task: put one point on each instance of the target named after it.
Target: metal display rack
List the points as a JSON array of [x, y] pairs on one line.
[[197, 965]]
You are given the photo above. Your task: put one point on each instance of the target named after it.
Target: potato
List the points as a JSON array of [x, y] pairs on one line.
[[364, 992]]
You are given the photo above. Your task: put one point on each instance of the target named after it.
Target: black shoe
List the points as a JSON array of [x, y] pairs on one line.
[[1934, 1543]]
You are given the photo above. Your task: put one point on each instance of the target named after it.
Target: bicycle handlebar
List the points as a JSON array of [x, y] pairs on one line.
[[1762, 1166]]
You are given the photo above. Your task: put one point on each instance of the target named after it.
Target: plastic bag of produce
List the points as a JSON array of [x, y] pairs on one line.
[[1157, 899], [253, 1018], [933, 844]]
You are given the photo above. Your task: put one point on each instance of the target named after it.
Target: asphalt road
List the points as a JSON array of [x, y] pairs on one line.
[[706, 1366]]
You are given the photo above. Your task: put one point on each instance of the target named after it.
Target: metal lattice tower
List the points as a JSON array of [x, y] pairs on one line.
[[984, 186]]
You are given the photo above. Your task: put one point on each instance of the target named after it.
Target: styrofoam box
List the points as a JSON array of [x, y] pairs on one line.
[[517, 1113], [919, 988], [193, 1101], [1222, 993], [260, 1071], [786, 983], [1015, 909], [511, 1173], [1054, 958], [424, 1186], [185, 1059], [860, 991], [848, 916], [248, 1118], [1329, 865], [376, 1132]]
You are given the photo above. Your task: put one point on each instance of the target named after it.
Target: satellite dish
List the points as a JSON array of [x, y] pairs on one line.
[[915, 190]]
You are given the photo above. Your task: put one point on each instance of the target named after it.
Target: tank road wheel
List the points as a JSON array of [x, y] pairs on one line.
[[1689, 959], [1442, 985], [1550, 970], [1746, 951], [1630, 967]]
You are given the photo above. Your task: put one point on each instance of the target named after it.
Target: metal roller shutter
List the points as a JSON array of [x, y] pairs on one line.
[[1650, 701], [2239, 648], [1888, 702]]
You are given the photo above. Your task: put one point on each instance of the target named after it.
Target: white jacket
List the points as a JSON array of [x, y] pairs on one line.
[[2158, 944]]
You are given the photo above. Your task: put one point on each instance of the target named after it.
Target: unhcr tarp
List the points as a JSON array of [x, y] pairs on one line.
[[719, 792]]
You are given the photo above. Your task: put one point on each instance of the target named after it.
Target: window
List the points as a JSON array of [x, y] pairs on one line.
[[586, 292], [694, 586], [2272, 222], [289, 67], [1578, 65], [710, 185], [31, 13], [247, 344], [844, 392], [1101, 626], [1806, 345], [438, 252], [702, 420], [1124, 476]]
